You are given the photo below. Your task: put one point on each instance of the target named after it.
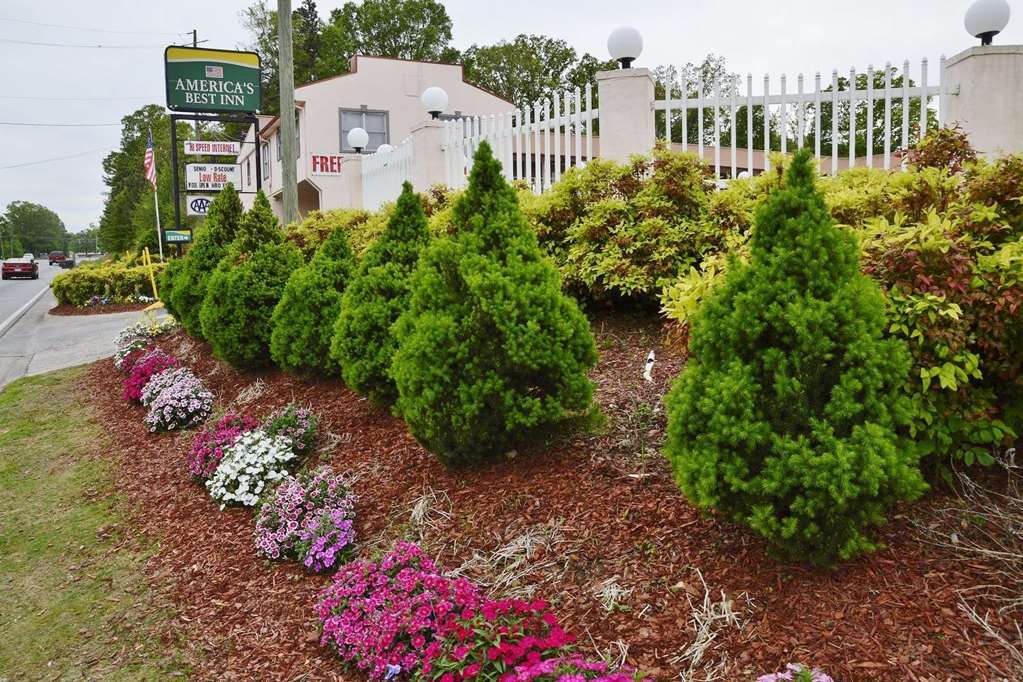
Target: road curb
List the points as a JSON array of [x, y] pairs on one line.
[[20, 312]]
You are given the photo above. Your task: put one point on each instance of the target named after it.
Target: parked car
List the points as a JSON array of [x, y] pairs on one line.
[[57, 257], [30, 256], [19, 267]]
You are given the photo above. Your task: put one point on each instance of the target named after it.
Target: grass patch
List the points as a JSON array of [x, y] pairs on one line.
[[73, 604]]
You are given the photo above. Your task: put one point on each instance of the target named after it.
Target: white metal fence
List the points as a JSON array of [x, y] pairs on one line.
[[720, 113], [384, 172], [534, 144]]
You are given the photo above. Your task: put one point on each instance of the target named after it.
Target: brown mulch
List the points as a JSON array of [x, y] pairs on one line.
[[68, 309], [605, 500]]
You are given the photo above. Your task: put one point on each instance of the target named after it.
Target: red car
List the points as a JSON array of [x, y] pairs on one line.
[[57, 257], [20, 267]]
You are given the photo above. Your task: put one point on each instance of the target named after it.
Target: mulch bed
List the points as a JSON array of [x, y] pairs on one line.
[[601, 510], [68, 309]]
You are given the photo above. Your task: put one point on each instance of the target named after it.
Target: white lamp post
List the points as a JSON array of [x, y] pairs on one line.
[[625, 44], [987, 18], [358, 139], [434, 100], [385, 149]]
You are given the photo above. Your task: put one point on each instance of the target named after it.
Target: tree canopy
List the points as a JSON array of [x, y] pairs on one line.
[[26, 226]]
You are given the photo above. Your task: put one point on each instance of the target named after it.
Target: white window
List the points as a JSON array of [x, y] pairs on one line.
[[277, 137], [264, 158], [375, 123], [248, 172]]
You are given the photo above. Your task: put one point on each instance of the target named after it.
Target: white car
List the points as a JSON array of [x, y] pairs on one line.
[[30, 257]]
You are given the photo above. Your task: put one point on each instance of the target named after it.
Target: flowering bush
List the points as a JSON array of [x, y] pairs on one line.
[[129, 352], [252, 463], [159, 381], [182, 400], [492, 640], [309, 518], [796, 672], [385, 617], [209, 444], [153, 362], [298, 424], [566, 669]]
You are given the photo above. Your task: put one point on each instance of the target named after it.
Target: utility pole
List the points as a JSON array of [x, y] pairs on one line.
[[286, 62]]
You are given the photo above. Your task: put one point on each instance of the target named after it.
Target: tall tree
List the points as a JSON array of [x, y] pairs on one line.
[[35, 228]]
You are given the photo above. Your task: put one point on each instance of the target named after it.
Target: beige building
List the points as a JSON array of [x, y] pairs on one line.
[[380, 95]]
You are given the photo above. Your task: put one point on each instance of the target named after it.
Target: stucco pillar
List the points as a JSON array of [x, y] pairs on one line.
[[626, 113], [989, 104], [429, 167], [350, 194]]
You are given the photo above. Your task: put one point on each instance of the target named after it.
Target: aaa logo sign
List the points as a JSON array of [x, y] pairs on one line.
[[211, 80]]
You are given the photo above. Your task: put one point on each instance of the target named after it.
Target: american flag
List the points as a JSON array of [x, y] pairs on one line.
[[149, 162]]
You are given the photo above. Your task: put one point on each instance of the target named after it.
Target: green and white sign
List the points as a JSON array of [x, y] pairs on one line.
[[182, 236], [211, 80]]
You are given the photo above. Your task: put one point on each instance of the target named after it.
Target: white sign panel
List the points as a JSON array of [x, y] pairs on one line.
[[197, 204], [211, 177], [213, 147], [326, 164]]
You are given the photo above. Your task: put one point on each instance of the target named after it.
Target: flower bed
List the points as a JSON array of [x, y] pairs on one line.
[[177, 399], [209, 444], [308, 518], [253, 462], [297, 424], [142, 370]]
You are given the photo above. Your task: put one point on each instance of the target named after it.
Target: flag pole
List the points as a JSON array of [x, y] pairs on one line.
[[159, 232]]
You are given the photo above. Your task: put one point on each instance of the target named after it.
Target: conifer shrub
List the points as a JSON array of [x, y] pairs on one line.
[[363, 342], [210, 246], [246, 287], [787, 417], [167, 279], [490, 348], [303, 321]]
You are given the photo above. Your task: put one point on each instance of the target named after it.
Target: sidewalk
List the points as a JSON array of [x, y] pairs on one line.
[[40, 343]]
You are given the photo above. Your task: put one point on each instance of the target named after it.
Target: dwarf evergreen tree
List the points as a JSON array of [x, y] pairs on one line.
[[303, 321], [219, 230], [490, 348], [786, 417], [363, 343], [245, 288]]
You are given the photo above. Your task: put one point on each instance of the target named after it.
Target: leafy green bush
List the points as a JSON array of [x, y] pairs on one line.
[[244, 289], [310, 233], [786, 417], [364, 344], [210, 247], [490, 347], [303, 321], [114, 281], [167, 280]]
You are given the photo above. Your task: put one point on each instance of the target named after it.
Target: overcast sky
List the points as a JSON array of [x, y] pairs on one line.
[[788, 36]]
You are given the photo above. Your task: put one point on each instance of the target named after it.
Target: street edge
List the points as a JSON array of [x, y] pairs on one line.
[[20, 312]]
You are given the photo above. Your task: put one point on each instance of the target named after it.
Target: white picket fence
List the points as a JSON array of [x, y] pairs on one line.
[[534, 144], [794, 112], [383, 174]]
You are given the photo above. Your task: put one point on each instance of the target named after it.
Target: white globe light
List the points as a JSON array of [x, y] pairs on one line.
[[385, 149], [625, 44], [357, 139], [434, 100], [987, 18]]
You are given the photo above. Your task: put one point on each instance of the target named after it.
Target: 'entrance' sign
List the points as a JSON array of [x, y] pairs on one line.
[[211, 80]]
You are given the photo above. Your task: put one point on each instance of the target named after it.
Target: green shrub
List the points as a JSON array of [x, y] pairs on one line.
[[114, 281], [363, 343], [786, 417], [490, 347], [303, 321], [167, 280], [245, 288], [309, 234], [209, 248]]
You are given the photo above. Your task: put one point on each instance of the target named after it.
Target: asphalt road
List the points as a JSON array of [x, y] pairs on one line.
[[15, 293]]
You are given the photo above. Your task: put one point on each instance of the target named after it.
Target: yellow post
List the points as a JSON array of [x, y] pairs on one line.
[[147, 261]]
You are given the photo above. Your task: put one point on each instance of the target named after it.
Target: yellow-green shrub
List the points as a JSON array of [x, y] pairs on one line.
[[112, 281]]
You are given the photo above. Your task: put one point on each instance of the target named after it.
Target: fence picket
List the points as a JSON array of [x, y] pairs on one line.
[[870, 116], [923, 99], [817, 117], [834, 122], [852, 117], [887, 115], [699, 115], [905, 105], [783, 124], [749, 123], [767, 122]]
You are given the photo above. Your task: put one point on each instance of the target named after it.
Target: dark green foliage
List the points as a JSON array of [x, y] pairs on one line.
[[166, 282], [364, 344], [490, 347], [210, 246], [303, 321], [246, 286], [786, 417]]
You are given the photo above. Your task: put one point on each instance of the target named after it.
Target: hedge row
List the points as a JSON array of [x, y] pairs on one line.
[[113, 281]]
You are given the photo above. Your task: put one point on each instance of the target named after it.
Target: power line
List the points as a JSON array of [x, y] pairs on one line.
[[79, 99], [94, 30], [55, 158], [57, 125], [105, 47]]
